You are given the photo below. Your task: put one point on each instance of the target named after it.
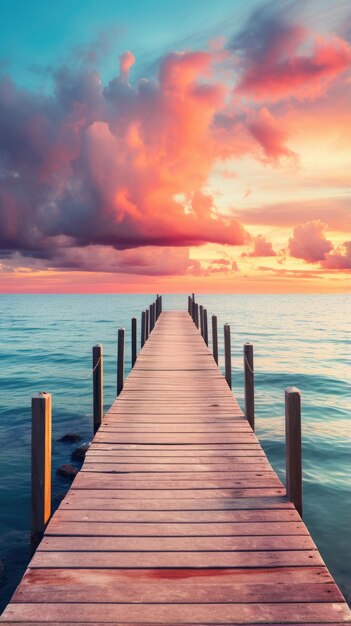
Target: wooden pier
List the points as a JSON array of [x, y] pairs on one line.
[[177, 516]]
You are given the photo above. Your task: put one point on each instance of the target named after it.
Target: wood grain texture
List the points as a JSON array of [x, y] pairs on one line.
[[177, 516]]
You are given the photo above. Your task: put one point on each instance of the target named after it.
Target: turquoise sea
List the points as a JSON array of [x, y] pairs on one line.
[[301, 340]]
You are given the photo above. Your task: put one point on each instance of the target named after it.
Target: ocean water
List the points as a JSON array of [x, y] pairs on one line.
[[301, 340]]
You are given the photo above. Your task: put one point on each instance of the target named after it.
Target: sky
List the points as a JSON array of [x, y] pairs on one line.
[[175, 147]]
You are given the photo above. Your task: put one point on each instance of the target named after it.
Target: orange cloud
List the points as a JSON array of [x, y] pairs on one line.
[[126, 61]]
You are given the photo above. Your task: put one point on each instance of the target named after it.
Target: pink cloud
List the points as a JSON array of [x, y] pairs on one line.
[[339, 259], [271, 137], [334, 212], [309, 242], [280, 59], [122, 166], [149, 260], [262, 248]]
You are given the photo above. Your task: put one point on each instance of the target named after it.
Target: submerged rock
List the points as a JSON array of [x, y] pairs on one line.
[[70, 437], [79, 453], [67, 471]]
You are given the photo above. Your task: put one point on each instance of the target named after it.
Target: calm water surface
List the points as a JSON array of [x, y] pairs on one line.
[[45, 345]]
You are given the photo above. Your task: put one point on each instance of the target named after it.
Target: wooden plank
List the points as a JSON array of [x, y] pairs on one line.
[[174, 529], [98, 464], [240, 613], [91, 480], [178, 586], [163, 494], [175, 544], [78, 500], [107, 515], [176, 559], [174, 452], [178, 480], [176, 428], [179, 449], [174, 438]]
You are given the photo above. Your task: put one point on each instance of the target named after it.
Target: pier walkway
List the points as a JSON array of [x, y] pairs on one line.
[[176, 516]]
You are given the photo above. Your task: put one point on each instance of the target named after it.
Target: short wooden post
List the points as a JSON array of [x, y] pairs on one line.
[[215, 338], [293, 447], [249, 384], [142, 334], [193, 310], [197, 315], [160, 304], [120, 360], [193, 297], [134, 340], [227, 355], [98, 386], [189, 305], [147, 324], [201, 320], [205, 327], [41, 466]]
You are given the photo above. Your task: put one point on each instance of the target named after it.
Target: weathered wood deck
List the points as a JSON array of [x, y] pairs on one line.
[[176, 516]]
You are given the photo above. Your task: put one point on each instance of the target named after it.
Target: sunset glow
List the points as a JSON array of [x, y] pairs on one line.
[[218, 166]]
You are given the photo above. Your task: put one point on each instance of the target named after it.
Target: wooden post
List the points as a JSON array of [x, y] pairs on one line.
[[160, 304], [197, 315], [215, 338], [143, 323], [249, 384], [293, 447], [147, 324], [150, 318], [205, 327], [201, 320], [227, 355], [193, 297], [193, 310], [98, 386], [120, 360], [134, 340], [41, 466], [189, 305]]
